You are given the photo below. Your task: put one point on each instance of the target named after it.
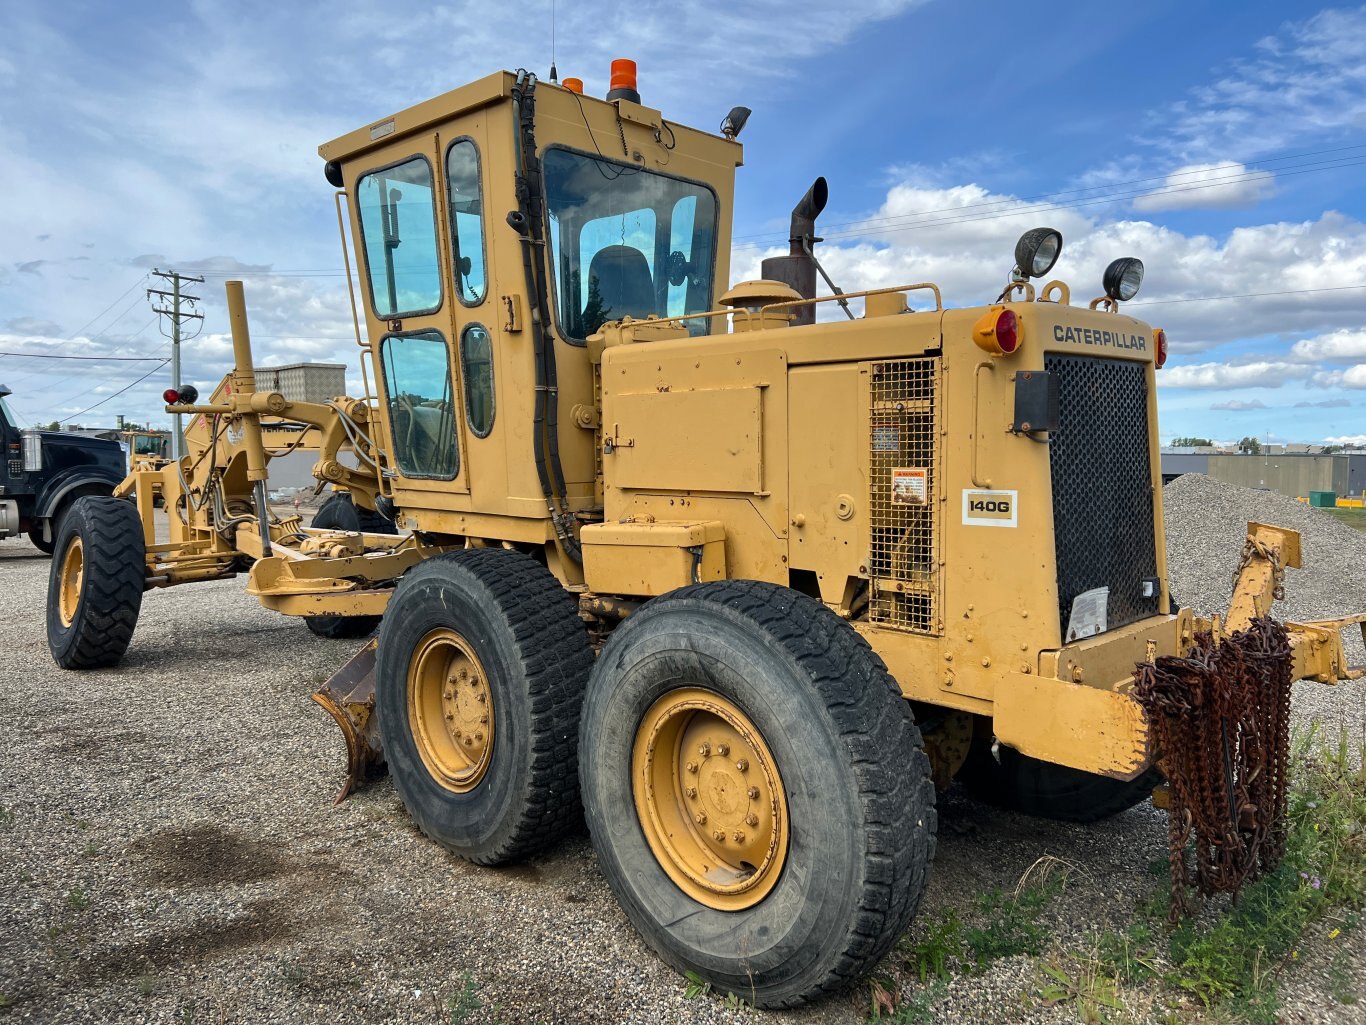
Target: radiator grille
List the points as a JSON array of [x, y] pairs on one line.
[[903, 565], [1102, 485]]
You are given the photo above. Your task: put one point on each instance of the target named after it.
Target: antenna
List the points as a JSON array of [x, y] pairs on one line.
[[554, 75]]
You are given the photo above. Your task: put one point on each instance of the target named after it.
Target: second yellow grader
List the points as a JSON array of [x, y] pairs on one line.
[[740, 586]]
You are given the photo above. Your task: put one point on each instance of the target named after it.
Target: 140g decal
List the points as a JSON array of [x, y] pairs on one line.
[[982, 508]]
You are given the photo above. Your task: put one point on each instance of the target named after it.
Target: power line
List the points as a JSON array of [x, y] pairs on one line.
[[1244, 295], [99, 359], [116, 394], [107, 308], [1251, 174]]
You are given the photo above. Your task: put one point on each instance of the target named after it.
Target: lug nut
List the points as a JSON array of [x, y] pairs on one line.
[[482, 697], [458, 734], [701, 819], [450, 717], [450, 695], [704, 749], [751, 819], [691, 792], [483, 719], [469, 742], [692, 766], [753, 793], [479, 737], [718, 835], [742, 764], [738, 836], [723, 749]]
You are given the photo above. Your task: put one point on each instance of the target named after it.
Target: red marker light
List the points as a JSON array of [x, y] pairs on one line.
[[998, 332], [171, 396], [1160, 344]]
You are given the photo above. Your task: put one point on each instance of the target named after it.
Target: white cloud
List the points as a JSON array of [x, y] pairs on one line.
[[1208, 186], [1350, 440], [1352, 377], [1306, 82], [1260, 374], [1347, 345], [1240, 405]]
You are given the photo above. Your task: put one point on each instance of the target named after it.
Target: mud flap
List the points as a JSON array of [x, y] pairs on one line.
[[349, 697]]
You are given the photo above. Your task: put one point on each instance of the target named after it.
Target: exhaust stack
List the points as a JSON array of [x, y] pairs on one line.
[[798, 267]]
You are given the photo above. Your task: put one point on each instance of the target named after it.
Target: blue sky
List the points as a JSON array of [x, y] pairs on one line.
[[1222, 143]]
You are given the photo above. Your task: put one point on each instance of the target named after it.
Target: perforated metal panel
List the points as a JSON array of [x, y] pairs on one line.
[[904, 501], [1102, 485]]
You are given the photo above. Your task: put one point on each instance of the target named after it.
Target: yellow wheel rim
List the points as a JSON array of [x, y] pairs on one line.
[[450, 710], [710, 799], [73, 574]]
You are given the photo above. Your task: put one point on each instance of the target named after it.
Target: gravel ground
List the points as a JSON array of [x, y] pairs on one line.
[[169, 851]]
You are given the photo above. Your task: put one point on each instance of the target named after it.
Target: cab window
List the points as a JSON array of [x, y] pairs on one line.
[[476, 359], [417, 384], [467, 221], [626, 242], [398, 232]]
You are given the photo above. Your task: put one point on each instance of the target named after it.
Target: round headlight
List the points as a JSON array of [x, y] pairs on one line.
[[1123, 278], [1037, 251]]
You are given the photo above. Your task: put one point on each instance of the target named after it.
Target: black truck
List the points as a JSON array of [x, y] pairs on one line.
[[43, 472]]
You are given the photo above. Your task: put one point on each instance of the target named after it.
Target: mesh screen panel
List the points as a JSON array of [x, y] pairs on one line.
[[904, 501], [1102, 485]]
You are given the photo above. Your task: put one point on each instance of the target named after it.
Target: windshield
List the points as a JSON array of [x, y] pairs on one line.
[[626, 242]]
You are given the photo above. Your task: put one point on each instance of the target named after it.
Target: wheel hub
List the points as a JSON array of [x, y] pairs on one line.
[[450, 710], [73, 575], [710, 799]]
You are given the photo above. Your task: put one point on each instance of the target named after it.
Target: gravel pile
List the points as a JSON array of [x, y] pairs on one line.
[[169, 851], [1206, 524]]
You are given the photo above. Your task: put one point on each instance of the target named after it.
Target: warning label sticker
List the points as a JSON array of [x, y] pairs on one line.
[[910, 485]]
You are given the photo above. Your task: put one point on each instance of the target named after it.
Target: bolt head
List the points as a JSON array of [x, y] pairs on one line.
[[704, 749], [692, 766], [469, 742], [742, 764], [450, 695], [483, 719], [701, 818], [738, 836], [450, 717], [753, 793], [691, 792], [479, 737], [718, 835], [723, 749], [751, 819], [482, 697]]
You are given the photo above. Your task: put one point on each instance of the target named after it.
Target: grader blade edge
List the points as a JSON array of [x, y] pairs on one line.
[[349, 697]]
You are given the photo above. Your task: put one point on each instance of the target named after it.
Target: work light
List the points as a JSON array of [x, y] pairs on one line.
[[1037, 251], [1123, 278]]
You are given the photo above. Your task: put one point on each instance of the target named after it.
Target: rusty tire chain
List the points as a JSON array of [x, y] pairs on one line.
[[1221, 721]]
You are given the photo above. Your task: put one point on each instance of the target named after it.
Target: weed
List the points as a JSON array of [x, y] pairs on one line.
[[734, 1003], [294, 973], [891, 1005], [1235, 958], [6, 818], [1129, 955], [1083, 982], [1012, 924], [146, 985], [77, 899], [696, 987], [930, 956], [4, 1000], [463, 1004]]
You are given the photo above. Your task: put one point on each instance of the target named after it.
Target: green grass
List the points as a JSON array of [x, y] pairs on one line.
[[463, 1004], [1351, 517], [1239, 957]]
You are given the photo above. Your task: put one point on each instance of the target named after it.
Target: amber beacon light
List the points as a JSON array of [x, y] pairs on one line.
[[623, 83]]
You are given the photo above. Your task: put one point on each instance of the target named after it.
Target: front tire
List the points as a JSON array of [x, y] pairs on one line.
[[817, 819], [479, 684], [96, 582], [340, 512]]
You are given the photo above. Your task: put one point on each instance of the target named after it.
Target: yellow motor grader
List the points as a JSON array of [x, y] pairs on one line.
[[739, 585]]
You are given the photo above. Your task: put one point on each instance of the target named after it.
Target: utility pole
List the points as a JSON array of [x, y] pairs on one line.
[[178, 316]]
